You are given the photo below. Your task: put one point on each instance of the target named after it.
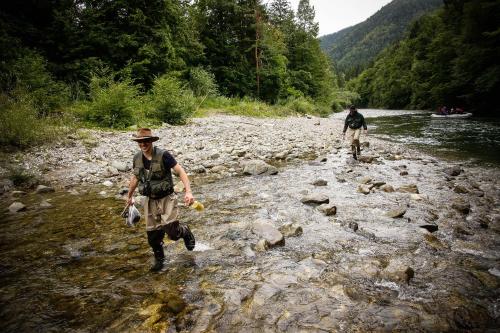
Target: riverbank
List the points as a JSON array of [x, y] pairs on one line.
[[404, 241]]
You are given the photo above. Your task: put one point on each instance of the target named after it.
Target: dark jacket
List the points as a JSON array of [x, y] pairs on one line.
[[354, 121]]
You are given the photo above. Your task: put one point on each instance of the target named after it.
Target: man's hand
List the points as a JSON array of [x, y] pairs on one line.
[[130, 201], [366, 131], [188, 198], [343, 136]]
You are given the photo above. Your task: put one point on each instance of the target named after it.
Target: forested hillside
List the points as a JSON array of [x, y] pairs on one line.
[[449, 58], [124, 62], [353, 48]]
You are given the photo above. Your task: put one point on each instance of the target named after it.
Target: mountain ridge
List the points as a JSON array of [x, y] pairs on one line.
[[353, 48]]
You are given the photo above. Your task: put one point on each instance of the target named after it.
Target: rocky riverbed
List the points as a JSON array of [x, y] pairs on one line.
[[295, 236]]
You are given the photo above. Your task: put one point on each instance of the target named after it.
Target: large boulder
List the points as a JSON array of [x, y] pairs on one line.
[[258, 167], [266, 230]]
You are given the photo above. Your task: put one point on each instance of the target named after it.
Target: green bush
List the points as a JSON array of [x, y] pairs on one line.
[[171, 102], [300, 105], [22, 178], [112, 104], [20, 124]]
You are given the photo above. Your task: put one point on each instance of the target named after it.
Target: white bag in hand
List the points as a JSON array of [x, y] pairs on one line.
[[131, 215]]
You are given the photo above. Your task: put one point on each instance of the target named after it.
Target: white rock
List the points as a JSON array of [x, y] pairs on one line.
[[44, 189], [17, 207], [107, 183]]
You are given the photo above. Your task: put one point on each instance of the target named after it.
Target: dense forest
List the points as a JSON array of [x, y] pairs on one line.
[[354, 48], [449, 58], [124, 62]]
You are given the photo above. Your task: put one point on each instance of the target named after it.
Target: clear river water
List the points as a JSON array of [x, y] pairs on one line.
[[474, 139], [76, 267]]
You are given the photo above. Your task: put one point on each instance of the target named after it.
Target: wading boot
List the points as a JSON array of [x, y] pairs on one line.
[[158, 265], [188, 237], [159, 258]]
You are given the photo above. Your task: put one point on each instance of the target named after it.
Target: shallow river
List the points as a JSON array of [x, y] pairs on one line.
[[475, 139], [77, 267]]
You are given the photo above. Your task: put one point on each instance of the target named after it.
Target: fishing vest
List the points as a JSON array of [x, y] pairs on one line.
[[157, 182]]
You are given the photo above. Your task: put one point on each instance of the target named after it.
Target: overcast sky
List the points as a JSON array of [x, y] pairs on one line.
[[335, 15]]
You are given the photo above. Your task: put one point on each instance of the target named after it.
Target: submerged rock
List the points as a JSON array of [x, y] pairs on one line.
[[17, 207], [429, 227], [44, 189], [258, 167], [291, 230], [265, 229], [45, 204], [462, 206], [353, 226], [460, 189], [453, 171], [398, 272]]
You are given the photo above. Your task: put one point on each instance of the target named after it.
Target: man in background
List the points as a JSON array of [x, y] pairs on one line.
[[353, 122]]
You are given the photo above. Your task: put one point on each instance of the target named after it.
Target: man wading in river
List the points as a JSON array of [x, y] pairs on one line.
[[354, 121], [153, 176]]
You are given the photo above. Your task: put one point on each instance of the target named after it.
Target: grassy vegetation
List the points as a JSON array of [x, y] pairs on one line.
[[22, 178], [21, 125], [118, 103]]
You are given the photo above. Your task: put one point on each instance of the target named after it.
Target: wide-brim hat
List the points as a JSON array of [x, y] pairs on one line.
[[145, 134]]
